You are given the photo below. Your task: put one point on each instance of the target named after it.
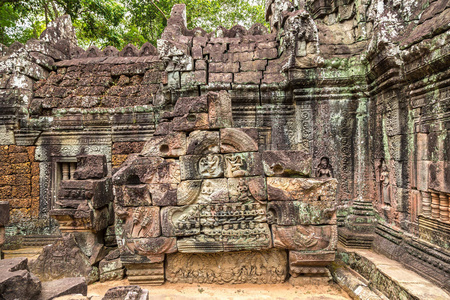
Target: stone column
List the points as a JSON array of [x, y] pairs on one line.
[[448, 198], [65, 171], [4, 219], [435, 206], [443, 207], [426, 204], [73, 167]]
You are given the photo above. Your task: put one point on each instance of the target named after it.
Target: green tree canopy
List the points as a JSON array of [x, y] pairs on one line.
[[119, 22]]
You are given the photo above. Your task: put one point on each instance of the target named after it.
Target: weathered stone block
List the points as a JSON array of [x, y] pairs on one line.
[[247, 237], [247, 189], [164, 194], [180, 221], [170, 145], [152, 246], [16, 282], [91, 167], [310, 263], [140, 222], [287, 163], [138, 170], [218, 268], [203, 142], [191, 122], [242, 47], [111, 270], [243, 164], [265, 53], [220, 77], [200, 65], [224, 67], [65, 259], [290, 213], [190, 105], [248, 77], [4, 213], [302, 189], [198, 167], [305, 238], [220, 111], [202, 191], [256, 65], [234, 140], [62, 287], [126, 292], [133, 195]]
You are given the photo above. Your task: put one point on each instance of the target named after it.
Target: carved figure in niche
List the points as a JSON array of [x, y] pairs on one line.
[[235, 164], [324, 169], [209, 166], [301, 39], [305, 239], [140, 225], [384, 184]]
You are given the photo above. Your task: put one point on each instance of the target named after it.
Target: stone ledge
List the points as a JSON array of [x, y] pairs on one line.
[[389, 276]]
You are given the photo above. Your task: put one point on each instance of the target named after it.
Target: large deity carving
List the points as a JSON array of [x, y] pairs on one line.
[[297, 31]]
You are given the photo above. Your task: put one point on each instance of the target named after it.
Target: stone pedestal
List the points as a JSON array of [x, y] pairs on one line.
[[145, 273], [359, 226]]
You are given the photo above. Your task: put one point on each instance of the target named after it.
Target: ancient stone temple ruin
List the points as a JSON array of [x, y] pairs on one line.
[[243, 155]]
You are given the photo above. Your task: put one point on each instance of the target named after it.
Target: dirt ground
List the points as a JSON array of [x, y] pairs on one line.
[[181, 291]]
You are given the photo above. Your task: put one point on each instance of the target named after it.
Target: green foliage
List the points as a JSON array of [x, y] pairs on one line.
[[119, 22]]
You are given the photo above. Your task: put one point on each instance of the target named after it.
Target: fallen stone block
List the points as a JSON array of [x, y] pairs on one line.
[[16, 281], [62, 287], [131, 292]]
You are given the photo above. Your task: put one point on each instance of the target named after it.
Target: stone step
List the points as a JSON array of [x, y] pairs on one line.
[[389, 276], [354, 284], [28, 252]]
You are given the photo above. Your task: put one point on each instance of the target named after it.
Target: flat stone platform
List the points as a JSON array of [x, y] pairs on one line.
[[382, 274], [183, 291]]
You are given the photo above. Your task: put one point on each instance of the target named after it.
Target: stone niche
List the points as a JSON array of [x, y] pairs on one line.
[[223, 211]]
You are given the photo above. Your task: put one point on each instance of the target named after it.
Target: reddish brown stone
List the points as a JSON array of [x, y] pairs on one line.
[[241, 56], [4, 213], [171, 145], [164, 194], [203, 142], [220, 111], [191, 122], [255, 65], [152, 246], [306, 238], [248, 77], [90, 167], [265, 53], [190, 105], [224, 67], [247, 47], [197, 52], [220, 77], [273, 78], [233, 140], [287, 163], [200, 65]]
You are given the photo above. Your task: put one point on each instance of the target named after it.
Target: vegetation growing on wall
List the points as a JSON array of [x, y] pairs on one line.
[[119, 22]]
